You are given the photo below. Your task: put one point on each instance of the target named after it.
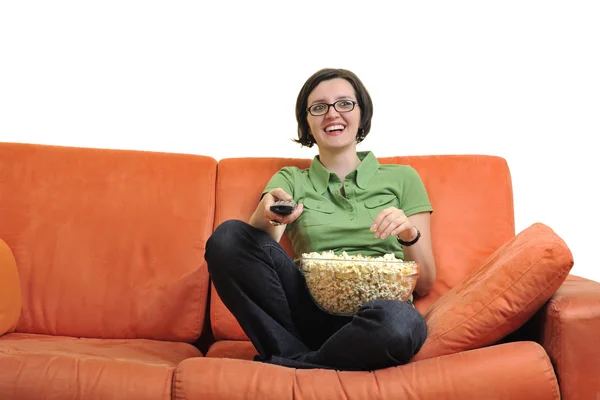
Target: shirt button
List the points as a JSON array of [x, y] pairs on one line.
[[318, 207], [380, 201]]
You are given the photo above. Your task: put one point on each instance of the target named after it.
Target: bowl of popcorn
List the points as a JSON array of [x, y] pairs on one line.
[[341, 284]]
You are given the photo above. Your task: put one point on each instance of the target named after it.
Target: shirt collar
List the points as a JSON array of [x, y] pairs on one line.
[[319, 175], [366, 169]]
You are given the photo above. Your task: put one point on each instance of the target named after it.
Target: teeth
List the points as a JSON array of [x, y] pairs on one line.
[[334, 127]]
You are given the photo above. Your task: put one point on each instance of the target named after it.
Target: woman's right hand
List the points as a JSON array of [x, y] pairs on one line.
[[275, 219]]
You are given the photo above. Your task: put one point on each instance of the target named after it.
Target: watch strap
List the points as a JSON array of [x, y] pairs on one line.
[[403, 243]]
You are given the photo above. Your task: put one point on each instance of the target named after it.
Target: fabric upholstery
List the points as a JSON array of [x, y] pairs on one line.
[[105, 250], [55, 367], [105, 236], [10, 290], [519, 370], [241, 349], [500, 296], [569, 329]]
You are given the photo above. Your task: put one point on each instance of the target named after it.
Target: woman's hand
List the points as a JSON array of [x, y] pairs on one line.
[[275, 219], [392, 221], [266, 220]]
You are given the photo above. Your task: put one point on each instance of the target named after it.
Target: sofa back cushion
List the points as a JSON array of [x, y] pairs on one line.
[[108, 243], [473, 214]]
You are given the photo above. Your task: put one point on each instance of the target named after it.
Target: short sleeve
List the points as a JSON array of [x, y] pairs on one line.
[[284, 179], [414, 198]]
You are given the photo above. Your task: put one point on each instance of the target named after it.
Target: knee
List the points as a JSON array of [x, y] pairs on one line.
[[224, 241], [224, 235], [412, 327], [402, 328]]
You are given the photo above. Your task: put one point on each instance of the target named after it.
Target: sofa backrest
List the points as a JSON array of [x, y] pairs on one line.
[[473, 214], [108, 243]]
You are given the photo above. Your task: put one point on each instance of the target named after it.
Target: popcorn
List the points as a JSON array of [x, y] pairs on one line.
[[341, 284]]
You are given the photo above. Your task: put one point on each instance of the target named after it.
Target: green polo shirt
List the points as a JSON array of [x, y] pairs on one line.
[[331, 221]]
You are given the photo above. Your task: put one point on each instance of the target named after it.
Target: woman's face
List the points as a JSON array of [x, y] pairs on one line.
[[334, 129]]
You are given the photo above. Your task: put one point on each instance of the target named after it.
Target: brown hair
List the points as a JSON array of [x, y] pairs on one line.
[[362, 97]]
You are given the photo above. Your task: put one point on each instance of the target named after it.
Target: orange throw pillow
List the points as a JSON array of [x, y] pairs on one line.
[[500, 296]]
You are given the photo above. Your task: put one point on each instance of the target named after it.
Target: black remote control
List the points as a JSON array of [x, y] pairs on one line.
[[283, 207]]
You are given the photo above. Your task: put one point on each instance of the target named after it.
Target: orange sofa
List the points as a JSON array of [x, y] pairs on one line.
[[104, 290]]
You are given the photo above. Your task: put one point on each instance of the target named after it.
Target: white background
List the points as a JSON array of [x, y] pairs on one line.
[[518, 79]]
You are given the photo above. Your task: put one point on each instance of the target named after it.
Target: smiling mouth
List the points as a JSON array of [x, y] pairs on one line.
[[334, 128]]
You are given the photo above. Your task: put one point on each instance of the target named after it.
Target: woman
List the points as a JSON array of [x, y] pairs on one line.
[[348, 202]]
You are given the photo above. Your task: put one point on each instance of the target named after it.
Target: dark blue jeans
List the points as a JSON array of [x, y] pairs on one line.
[[263, 288]]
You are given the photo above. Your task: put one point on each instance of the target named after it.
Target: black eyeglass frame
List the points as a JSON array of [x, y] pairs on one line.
[[354, 103]]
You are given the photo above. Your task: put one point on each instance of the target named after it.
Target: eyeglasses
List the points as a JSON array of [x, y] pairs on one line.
[[341, 106]]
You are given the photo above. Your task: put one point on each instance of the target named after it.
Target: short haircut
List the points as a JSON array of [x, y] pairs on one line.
[[362, 97]]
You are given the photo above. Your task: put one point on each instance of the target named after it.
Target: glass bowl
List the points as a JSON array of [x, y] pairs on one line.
[[342, 284]]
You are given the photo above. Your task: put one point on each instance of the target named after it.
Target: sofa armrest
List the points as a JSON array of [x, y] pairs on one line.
[[10, 290], [568, 327]]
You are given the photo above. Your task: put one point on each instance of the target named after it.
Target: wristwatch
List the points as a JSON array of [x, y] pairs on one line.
[[403, 243]]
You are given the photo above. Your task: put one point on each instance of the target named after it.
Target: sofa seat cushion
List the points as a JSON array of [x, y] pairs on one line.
[[520, 370], [33, 365], [241, 349], [500, 296]]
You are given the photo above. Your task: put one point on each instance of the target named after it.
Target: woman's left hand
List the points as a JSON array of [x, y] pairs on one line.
[[393, 221]]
